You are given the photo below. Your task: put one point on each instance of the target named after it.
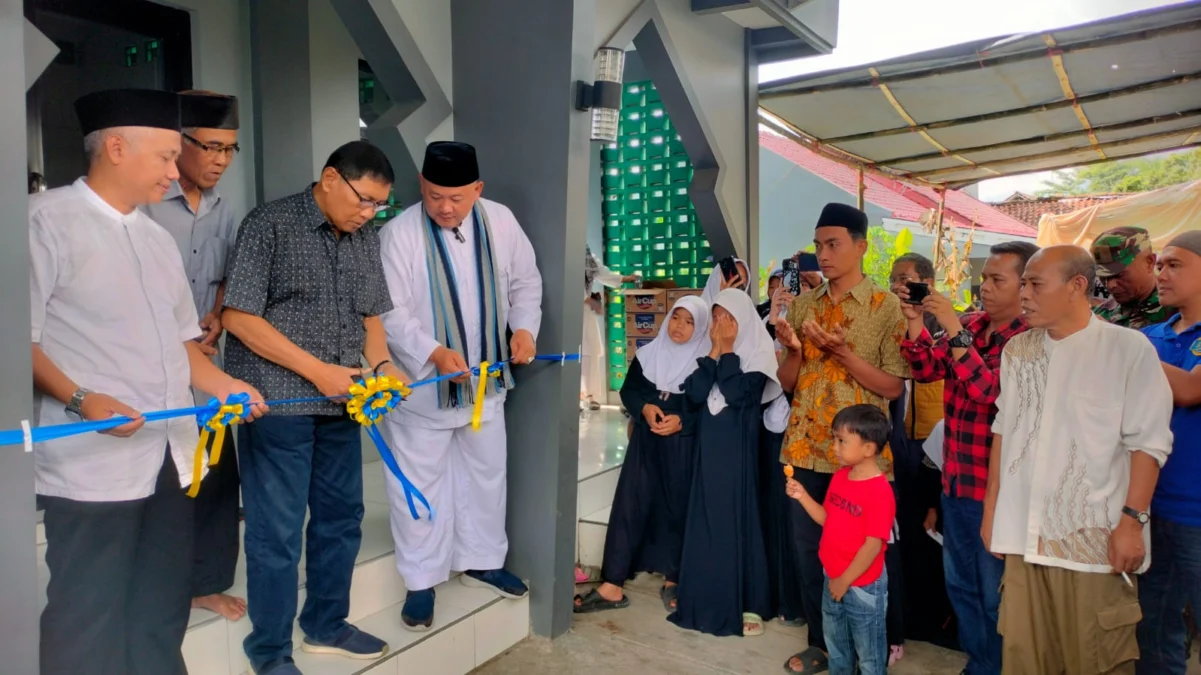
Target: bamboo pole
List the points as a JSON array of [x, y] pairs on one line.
[[1049, 138], [1017, 112], [938, 227], [981, 62], [1057, 153], [860, 189]]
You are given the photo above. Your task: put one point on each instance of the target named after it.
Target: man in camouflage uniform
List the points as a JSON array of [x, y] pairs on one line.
[[1126, 265]]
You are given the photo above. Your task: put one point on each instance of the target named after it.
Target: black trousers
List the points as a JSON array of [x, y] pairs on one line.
[[118, 601], [216, 545], [806, 536]]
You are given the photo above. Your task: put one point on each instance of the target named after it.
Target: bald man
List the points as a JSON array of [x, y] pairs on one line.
[[1067, 501]]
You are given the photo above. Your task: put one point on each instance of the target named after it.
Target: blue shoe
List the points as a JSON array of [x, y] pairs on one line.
[[280, 666], [418, 612], [504, 584], [351, 643]]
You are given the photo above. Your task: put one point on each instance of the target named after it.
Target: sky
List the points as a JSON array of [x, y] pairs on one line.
[[875, 30]]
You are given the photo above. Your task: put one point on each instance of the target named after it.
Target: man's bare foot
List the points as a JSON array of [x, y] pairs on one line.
[[219, 603]]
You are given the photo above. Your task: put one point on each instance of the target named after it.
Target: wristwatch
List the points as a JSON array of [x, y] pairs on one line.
[[75, 405], [1141, 516], [962, 340]]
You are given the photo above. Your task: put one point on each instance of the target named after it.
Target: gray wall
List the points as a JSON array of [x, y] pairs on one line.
[[513, 96], [790, 200], [18, 570]]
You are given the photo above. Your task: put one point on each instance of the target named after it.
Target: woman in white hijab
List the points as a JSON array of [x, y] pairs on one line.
[[723, 573], [718, 283], [646, 521]]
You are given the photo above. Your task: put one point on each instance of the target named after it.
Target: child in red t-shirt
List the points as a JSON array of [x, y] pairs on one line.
[[856, 520]]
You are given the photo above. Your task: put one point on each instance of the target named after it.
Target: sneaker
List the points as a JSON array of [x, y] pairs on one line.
[[281, 666], [351, 643], [504, 584], [418, 612]]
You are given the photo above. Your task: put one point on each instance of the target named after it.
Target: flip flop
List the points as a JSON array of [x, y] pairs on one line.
[[587, 574], [812, 660], [594, 602], [668, 595], [756, 623]]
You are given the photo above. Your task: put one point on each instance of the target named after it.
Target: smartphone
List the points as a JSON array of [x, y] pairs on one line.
[[792, 276], [807, 262], [729, 268], [917, 292]]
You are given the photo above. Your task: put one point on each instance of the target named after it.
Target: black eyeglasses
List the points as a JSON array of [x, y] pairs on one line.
[[214, 148], [364, 203]]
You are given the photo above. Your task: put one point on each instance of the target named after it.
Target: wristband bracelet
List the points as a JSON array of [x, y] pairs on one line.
[[375, 370]]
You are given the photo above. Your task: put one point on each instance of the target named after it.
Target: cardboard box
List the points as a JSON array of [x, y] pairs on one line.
[[633, 345], [642, 300], [643, 324], [674, 296]]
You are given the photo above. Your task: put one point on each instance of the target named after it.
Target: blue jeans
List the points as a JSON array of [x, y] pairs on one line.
[[1173, 579], [856, 628], [973, 584], [289, 463]]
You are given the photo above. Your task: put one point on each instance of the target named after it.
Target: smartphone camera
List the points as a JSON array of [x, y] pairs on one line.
[[792, 276], [917, 292]]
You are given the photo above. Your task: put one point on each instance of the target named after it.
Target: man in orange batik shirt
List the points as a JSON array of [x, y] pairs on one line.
[[843, 342]]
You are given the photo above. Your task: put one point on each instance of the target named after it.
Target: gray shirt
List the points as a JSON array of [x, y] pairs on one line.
[[288, 268], [205, 238]]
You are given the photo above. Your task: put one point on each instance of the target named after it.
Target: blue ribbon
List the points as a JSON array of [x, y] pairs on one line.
[[207, 412]]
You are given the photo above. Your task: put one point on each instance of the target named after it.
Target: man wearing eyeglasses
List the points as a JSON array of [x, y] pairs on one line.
[[203, 226], [303, 301]]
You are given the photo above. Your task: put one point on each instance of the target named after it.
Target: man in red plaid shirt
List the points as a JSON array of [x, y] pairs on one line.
[[967, 355]]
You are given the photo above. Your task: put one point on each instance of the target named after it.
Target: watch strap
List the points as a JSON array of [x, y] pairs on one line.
[[962, 339], [75, 405], [1141, 516]]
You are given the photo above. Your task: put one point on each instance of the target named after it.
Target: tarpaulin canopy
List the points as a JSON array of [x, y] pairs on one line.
[[1122, 87], [1164, 213]]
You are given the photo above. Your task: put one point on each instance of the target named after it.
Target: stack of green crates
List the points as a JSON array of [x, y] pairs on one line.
[[650, 223]]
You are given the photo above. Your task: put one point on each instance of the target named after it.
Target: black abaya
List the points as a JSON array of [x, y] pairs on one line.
[[783, 576], [723, 571], [646, 522]]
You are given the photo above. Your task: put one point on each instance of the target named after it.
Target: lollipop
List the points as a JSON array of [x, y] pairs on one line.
[[788, 470]]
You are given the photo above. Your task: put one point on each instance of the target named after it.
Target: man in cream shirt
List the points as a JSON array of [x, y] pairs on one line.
[[113, 332], [1080, 435]]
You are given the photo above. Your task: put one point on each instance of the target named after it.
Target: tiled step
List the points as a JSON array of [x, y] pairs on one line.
[[471, 625], [591, 536]]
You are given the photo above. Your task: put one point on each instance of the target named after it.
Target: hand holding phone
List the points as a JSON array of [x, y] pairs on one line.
[[792, 276]]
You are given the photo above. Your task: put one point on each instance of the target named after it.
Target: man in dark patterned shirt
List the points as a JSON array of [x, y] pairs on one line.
[[968, 357], [1126, 265], [303, 301]]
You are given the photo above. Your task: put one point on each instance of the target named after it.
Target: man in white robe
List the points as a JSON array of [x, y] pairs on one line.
[[462, 276]]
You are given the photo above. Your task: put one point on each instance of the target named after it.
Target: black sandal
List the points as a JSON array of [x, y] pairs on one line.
[[812, 660], [595, 602], [668, 595]]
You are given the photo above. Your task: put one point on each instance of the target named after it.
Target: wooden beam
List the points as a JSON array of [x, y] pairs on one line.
[[1049, 138], [960, 184], [896, 105], [1058, 153], [982, 61], [1017, 112], [1065, 84]]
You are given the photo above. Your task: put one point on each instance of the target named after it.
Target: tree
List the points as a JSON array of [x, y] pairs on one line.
[[1126, 175]]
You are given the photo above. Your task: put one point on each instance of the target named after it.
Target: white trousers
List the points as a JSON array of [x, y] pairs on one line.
[[462, 474], [594, 381]]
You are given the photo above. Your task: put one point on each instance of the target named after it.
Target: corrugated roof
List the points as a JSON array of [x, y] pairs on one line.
[[903, 201], [1030, 210], [1122, 87]]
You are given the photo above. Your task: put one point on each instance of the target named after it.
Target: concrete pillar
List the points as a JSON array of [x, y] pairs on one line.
[[515, 64], [18, 566]]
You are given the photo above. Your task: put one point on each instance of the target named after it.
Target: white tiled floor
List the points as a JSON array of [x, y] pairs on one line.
[[471, 625]]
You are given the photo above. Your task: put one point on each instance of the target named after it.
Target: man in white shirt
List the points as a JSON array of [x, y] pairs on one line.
[[461, 274], [1080, 434], [111, 311]]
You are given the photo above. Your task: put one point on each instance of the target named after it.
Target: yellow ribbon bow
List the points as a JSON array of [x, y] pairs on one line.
[[373, 397], [230, 412], [477, 412]]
